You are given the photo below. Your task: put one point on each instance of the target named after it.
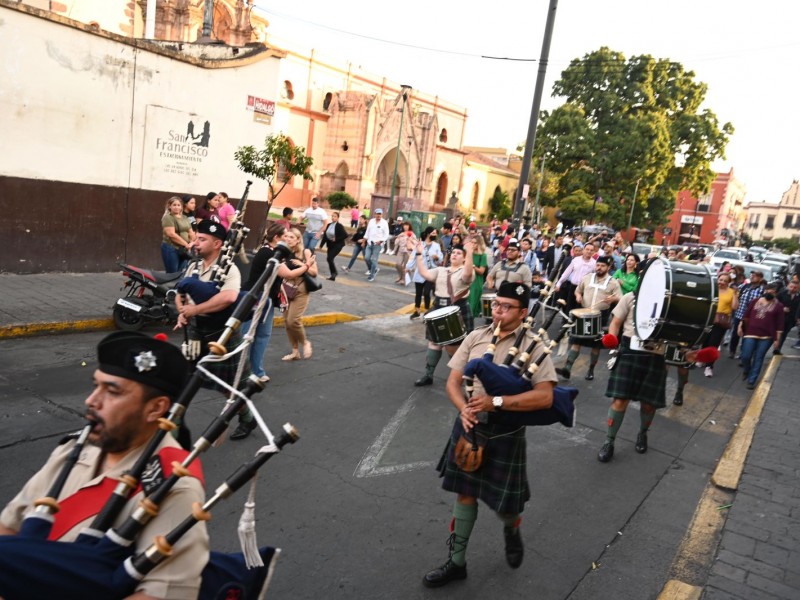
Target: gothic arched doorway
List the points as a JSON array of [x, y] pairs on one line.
[[383, 179], [441, 190]]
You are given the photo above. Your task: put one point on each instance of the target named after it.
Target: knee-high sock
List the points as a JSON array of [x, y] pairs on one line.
[[614, 421], [431, 360], [646, 418], [511, 521], [683, 379], [595, 356], [464, 517], [572, 356]]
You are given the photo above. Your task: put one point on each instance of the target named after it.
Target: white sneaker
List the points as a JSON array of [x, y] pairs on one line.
[[709, 372]]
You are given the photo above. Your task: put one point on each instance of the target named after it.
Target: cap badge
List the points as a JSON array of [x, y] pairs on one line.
[[145, 361], [519, 290]]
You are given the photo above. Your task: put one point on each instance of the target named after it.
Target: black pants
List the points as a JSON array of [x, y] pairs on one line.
[[422, 290], [333, 251]]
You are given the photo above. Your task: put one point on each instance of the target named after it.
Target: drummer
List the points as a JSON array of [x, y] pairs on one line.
[[597, 291], [451, 289], [511, 268]]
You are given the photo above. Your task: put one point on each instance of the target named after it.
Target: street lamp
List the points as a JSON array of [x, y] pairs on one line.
[[404, 90]]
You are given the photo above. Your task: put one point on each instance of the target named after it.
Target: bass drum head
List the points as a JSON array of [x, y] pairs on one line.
[[650, 298]]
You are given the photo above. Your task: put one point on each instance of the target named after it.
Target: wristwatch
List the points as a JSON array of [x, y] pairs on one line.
[[497, 402]]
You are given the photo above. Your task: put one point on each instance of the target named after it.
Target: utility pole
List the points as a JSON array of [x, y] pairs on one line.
[[534, 120], [404, 90], [538, 192], [633, 205]]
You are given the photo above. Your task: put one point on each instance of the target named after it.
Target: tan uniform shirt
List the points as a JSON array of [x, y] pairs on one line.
[[596, 290], [456, 281], [499, 274], [475, 344], [178, 577], [624, 310]]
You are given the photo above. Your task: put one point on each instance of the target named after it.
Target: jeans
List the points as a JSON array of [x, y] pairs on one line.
[[371, 255], [170, 257], [753, 353], [309, 240], [357, 249], [261, 340]]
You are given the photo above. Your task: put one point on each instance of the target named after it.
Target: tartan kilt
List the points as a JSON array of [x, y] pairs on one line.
[[639, 376], [225, 370], [586, 343], [501, 481]]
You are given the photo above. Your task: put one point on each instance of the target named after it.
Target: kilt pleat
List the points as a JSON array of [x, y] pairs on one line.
[[501, 481], [639, 376], [226, 369]]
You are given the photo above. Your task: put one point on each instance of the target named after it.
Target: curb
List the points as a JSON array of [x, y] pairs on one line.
[[698, 547], [55, 328]]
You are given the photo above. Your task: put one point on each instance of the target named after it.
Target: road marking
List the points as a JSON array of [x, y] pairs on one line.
[[369, 464]]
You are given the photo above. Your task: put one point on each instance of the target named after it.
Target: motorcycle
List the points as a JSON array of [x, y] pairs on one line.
[[150, 298]]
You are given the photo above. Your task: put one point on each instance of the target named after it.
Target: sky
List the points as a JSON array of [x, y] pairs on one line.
[[748, 53]]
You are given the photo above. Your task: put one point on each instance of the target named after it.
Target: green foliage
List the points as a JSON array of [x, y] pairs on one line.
[[785, 245], [628, 119], [577, 206], [341, 200], [276, 163], [500, 204]]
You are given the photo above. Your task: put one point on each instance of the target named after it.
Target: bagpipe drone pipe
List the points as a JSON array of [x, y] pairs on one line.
[[512, 377]]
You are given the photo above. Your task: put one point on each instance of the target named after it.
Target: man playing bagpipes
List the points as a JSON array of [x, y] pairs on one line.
[[136, 380], [208, 292], [499, 476]]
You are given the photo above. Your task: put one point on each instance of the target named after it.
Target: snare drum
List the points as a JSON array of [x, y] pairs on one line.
[[675, 354], [587, 324], [444, 326], [486, 305], [675, 302]]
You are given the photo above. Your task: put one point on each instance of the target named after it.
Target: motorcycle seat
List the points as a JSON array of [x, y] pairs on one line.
[[164, 277]]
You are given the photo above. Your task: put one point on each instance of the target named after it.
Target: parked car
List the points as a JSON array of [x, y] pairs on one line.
[[777, 257], [727, 254], [757, 252]]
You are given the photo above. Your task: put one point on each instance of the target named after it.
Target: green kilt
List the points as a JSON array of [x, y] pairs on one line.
[[586, 343], [639, 376], [225, 370], [501, 481]]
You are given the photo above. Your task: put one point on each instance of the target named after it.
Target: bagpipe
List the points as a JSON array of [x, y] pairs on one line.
[[102, 562]]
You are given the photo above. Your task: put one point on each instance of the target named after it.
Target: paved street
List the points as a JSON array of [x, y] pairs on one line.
[[357, 507]]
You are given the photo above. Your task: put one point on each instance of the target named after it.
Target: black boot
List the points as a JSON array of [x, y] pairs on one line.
[[606, 452], [564, 372], [590, 374], [424, 380], [641, 442], [244, 429], [514, 549], [678, 399], [443, 575]]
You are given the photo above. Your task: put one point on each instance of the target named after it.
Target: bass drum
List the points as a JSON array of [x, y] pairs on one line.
[[676, 302]]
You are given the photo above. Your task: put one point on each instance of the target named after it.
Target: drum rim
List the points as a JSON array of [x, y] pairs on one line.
[[451, 309]]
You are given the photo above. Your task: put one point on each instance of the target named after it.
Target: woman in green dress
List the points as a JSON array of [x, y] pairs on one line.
[[480, 265], [628, 274]]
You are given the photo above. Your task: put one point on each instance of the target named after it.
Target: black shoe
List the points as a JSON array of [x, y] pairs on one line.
[[751, 386], [565, 373], [448, 572], [243, 430], [514, 549], [331, 278], [678, 400], [414, 315], [589, 375], [641, 442], [606, 452], [424, 380], [777, 353]]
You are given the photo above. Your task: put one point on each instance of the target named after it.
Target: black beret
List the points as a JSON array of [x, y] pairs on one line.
[[209, 227], [144, 359], [513, 243], [605, 260], [515, 290]]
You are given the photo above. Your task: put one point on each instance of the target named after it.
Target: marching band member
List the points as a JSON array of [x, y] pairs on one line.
[[136, 380], [452, 289], [509, 269], [501, 481], [595, 291]]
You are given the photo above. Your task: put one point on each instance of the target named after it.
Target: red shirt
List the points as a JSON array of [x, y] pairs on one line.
[[763, 320]]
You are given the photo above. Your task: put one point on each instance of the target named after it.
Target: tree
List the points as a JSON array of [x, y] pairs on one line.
[[628, 119], [499, 204], [277, 163], [578, 206], [341, 200]]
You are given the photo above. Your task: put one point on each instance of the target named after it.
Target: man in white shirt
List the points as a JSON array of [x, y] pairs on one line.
[[316, 221], [377, 233]]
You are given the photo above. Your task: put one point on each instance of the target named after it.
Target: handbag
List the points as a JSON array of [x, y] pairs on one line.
[[313, 284], [722, 320], [289, 290]]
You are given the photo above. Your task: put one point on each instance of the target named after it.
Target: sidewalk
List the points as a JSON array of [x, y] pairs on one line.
[[48, 303]]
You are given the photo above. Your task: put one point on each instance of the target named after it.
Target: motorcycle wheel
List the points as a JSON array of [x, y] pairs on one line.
[[127, 320]]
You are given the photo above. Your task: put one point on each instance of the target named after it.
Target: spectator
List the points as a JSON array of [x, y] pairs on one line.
[[747, 293], [480, 266], [297, 295], [226, 211], [177, 236], [404, 245], [790, 298], [760, 328], [209, 210], [376, 235], [354, 216], [447, 238], [628, 275], [335, 236], [395, 229], [286, 221], [432, 257], [727, 303], [189, 206], [528, 255], [316, 222], [581, 265], [358, 243]]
